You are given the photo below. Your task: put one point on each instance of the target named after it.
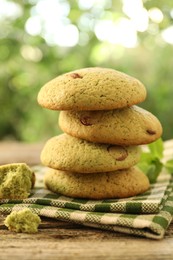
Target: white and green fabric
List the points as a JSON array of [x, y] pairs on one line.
[[147, 215]]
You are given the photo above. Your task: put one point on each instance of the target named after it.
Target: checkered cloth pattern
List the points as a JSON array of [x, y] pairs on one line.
[[147, 215]]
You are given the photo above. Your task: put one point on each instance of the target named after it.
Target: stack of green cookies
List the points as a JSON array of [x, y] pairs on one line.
[[103, 128]]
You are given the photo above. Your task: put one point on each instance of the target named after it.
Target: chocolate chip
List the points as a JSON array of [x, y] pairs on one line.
[[151, 132], [119, 153], [75, 76]]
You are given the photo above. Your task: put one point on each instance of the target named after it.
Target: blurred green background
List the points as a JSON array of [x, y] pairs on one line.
[[41, 39]]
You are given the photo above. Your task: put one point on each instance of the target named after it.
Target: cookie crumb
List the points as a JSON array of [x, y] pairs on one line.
[[16, 181], [23, 221]]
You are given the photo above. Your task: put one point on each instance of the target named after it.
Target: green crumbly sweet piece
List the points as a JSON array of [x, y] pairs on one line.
[[16, 181], [23, 221]]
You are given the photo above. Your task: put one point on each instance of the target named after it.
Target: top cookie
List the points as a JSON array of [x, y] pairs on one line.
[[91, 89]]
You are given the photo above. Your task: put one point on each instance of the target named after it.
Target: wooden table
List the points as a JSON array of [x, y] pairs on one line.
[[61, 240]]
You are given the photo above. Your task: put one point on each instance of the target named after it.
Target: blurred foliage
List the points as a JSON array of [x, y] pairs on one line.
[[28, 61]]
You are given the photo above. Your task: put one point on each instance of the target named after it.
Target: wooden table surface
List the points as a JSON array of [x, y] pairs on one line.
[[62, 240]]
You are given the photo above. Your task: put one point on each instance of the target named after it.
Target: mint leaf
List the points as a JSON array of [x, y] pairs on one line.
[[146, 157], [150, 162], [169, 166], [157, 148], [144, 166], [154, 170]]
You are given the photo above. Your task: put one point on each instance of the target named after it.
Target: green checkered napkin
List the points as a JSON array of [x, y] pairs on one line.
[[148, 214]]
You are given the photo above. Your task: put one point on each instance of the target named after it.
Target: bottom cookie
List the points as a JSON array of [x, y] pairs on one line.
[[108, 185]]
